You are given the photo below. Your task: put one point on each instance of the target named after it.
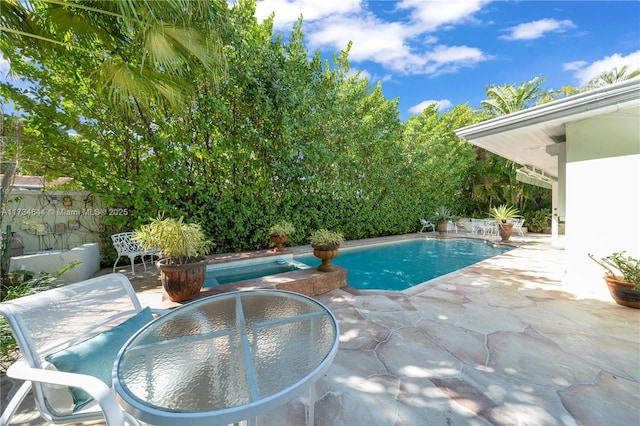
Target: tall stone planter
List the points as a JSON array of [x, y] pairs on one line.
[[442, 227], [182, 282], [505, 229]]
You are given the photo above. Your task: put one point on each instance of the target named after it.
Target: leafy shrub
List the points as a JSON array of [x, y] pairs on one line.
[[537, 221]]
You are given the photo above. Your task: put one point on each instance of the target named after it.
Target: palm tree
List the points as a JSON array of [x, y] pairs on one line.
[[609, 77], [145, 49], [505, 99]]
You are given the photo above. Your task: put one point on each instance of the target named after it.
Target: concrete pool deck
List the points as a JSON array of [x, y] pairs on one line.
[[500, 342]]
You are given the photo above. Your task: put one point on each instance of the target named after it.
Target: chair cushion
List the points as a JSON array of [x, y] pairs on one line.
[[58, 396], [96, 356]]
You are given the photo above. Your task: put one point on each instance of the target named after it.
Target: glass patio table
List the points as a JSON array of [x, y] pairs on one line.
[[226, 358]]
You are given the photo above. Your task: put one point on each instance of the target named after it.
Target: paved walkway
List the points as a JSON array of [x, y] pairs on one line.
[[500, 342]]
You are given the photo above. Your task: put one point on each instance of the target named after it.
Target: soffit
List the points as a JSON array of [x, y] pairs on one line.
[[526, 137]]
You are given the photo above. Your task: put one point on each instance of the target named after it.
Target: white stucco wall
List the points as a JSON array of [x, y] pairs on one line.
[[87, 254], [602, 194]]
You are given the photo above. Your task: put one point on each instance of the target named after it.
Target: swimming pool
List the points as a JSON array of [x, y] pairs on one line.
[[403, 264], [241, 270]]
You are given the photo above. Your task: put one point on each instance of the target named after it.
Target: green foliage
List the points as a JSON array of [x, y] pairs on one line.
[[612, 76], [442, 214], [179, 241], [504, 212], [538, 220], [617, 264], [505, 99], [324, 237], [286, 135], [141, 50], [282, 228]]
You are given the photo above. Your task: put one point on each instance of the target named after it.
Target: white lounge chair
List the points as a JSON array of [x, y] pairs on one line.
[[78, 328], [126, 247], [426, 224]]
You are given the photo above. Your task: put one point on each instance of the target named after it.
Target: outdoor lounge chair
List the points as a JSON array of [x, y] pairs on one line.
[[78, 328], [127, 247], [426, 224], [452, 227]]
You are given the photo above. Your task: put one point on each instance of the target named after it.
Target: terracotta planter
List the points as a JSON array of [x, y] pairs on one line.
[[505, 229], [622, 292], [182, 282], [326, 253], [442, 227], [279, 241]]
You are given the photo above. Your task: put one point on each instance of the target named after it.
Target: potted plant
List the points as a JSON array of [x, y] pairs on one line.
[[503, 214], [441, 216], [538, 221], [325, 245], [622, 278], [183, 246], [279, 233]]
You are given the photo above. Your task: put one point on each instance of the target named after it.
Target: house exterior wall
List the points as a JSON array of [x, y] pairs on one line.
[[602, 194]]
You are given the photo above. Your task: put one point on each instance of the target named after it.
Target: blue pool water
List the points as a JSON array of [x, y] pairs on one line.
[[403, 264], [240, 271]]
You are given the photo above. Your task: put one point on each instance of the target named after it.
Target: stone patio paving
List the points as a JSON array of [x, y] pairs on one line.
[[502, 342]]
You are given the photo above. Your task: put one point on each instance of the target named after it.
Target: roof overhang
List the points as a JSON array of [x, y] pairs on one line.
[[528, 137]]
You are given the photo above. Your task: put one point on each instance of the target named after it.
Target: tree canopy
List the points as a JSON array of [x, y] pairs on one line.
[[260, 130]]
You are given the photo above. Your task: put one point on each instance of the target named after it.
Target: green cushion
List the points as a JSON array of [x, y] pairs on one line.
[[96, 356]]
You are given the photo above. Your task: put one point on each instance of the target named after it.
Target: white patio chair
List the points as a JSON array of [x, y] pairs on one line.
[[452, 227], [477, 225], [517, 226], [489, 227], [126, 247], [80, 328], [426, 224]]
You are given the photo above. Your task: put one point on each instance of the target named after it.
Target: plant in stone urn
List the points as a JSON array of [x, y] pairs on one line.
[[441, 215], [622, 278], [503, 214], [183, 246], [279, 233], [325, 245]]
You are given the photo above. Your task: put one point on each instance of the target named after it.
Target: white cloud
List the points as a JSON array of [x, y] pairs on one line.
[[537, 29], [442, 105], [388, 45], [573, 66], [431, 15], [373, 40], [585, 72], [406, 47], [287, 12], [4, 67]]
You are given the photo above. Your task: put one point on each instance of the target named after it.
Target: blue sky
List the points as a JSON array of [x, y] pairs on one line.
[[449, 51]]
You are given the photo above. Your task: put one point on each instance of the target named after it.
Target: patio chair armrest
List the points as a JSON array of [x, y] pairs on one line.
[[99, 391], [15, 402]]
